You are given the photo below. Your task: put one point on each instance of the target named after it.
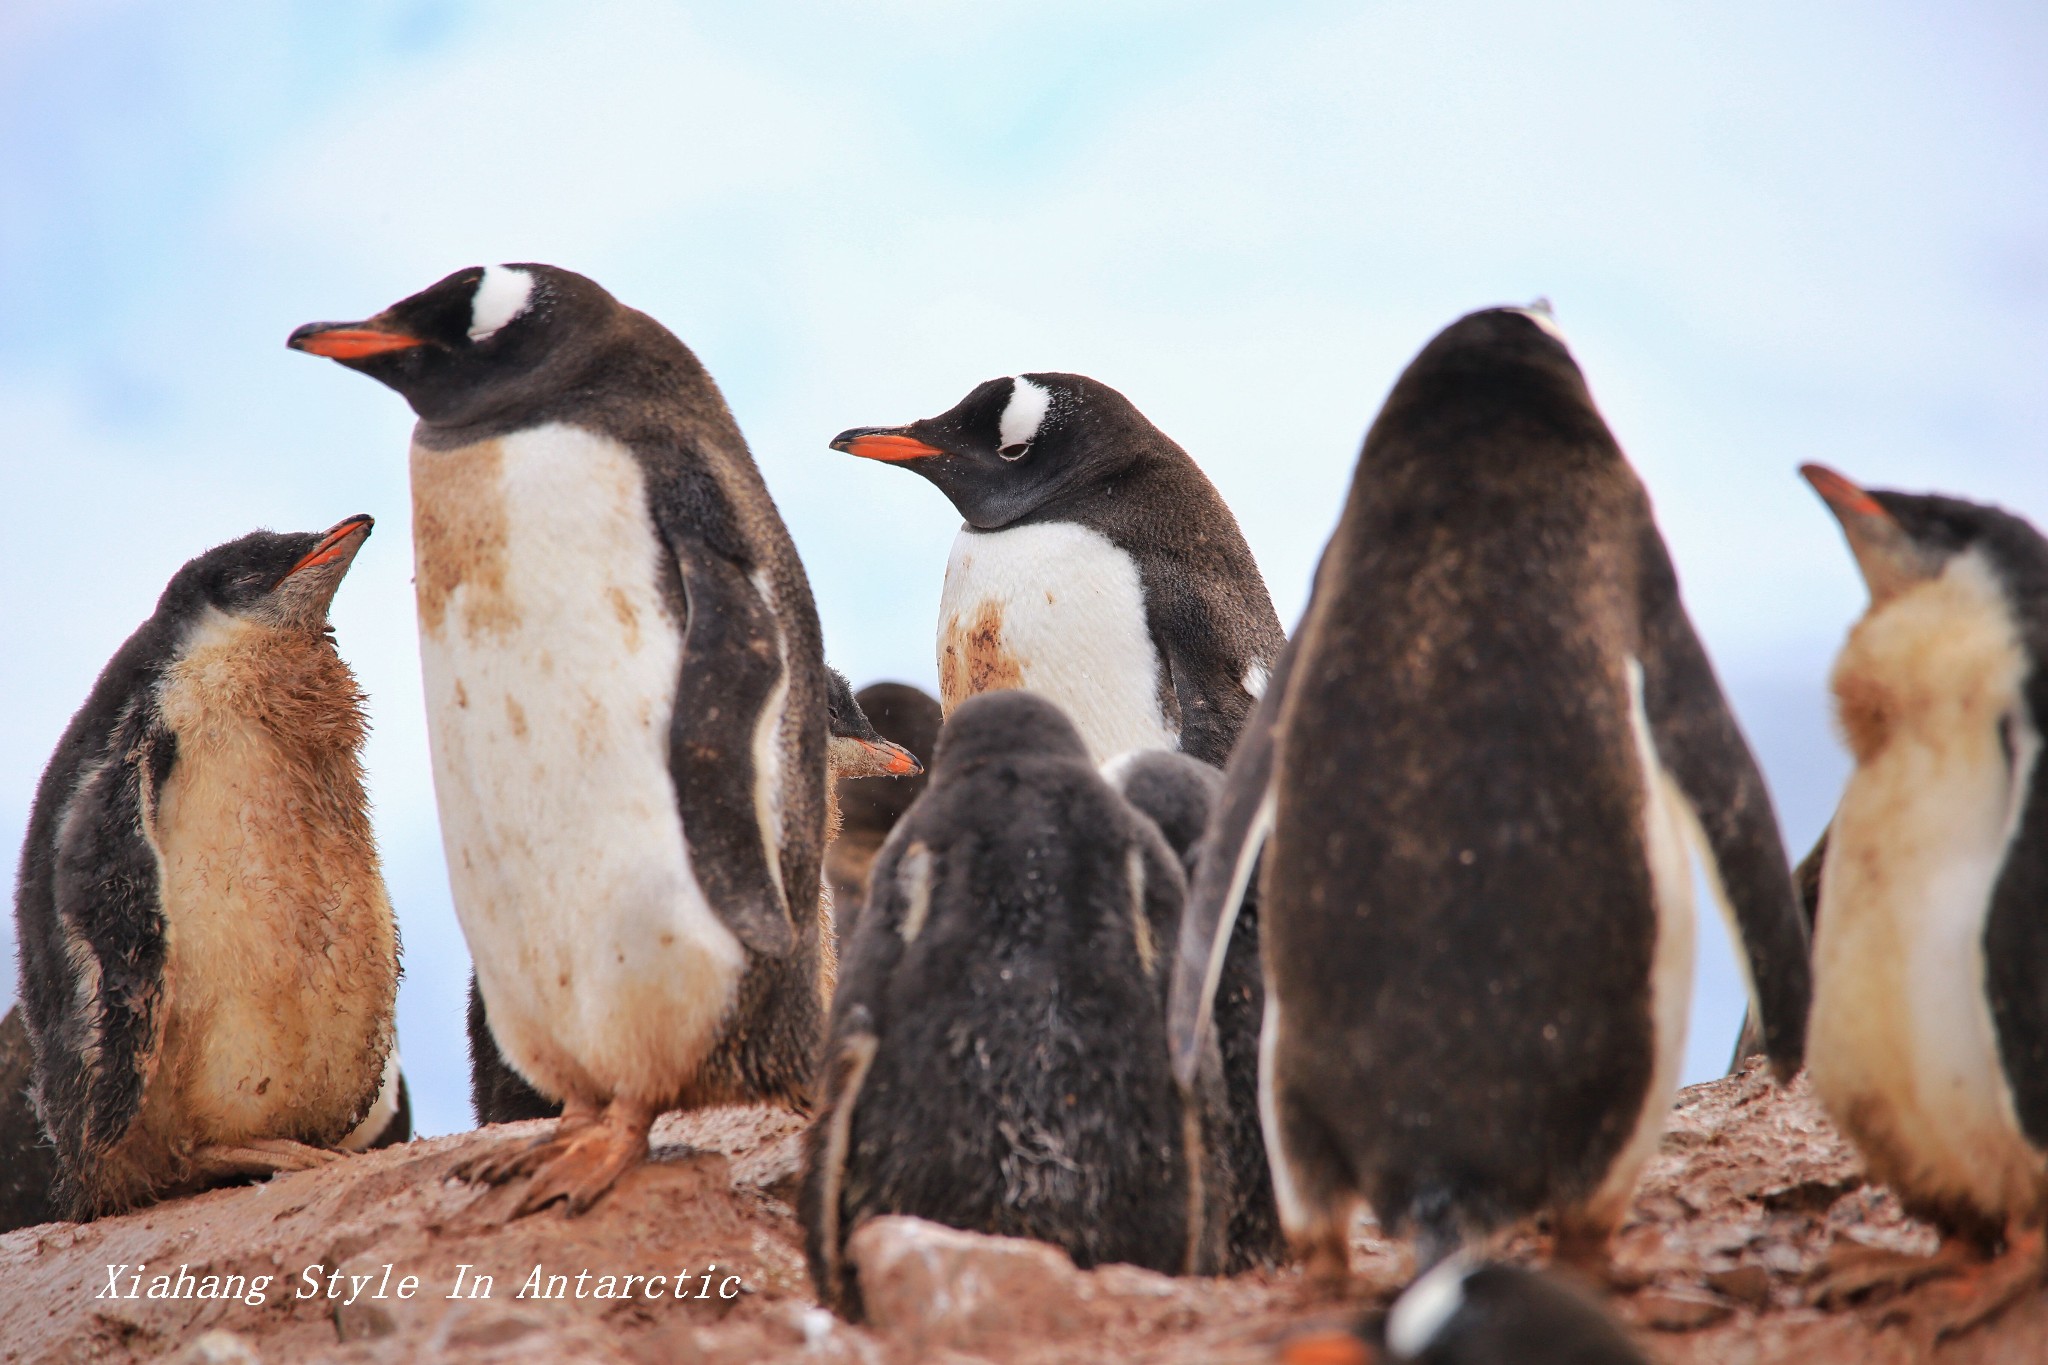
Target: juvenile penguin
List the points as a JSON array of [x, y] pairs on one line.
[[625, 706], [870, 806], [497, 1092], [209, 963], [1929, 1038], [1179, 795], [1098, 566], [997, 1058], [1499, 736]]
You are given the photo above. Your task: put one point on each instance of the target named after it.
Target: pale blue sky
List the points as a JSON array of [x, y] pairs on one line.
[[1774, 232]]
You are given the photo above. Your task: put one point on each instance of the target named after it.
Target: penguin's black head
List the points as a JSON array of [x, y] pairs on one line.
[[856, 750], [1015, 445], [282, 578], [1173, 790], [461, 349], [1900, 539], [1009, 724]]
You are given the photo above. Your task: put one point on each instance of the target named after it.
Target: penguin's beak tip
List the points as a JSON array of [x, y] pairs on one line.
[[1840, 492], [896, 760]]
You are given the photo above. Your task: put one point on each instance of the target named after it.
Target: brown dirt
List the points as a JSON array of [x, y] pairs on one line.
[[1751, 1196]]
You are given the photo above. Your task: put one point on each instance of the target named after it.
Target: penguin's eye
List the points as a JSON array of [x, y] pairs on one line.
[[1015, 450]]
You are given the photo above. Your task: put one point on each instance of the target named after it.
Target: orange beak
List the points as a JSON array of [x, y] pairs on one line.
[[334, 544], [896, 760], [1885, 554], [884, 445], [349, 340], [1841, 495]]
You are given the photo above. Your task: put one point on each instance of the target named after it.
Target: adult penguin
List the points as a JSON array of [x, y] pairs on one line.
[[1098, 566], [1498, 737], [625, 705]]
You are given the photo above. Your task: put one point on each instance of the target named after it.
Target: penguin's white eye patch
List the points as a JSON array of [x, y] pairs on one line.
[[501, 295], [1022, 416]]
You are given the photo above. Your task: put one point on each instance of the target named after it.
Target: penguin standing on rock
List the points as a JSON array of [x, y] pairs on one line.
[[1098, 566], [997, 1058], [1929, 1039], [209, 963], [625, 704], [1498, 737]]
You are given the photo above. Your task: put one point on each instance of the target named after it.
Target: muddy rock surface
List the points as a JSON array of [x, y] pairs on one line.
[[1749, 1243]]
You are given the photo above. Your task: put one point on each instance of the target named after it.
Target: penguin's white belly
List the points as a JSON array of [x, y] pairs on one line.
[[1668, 825], [551, 662], [1902, 1047], [1059, 610]]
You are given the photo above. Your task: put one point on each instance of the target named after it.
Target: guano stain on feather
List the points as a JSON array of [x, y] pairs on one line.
[[459, 537], [975, 660]]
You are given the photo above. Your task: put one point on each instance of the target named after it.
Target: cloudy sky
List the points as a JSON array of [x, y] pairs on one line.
[[1775, 232]]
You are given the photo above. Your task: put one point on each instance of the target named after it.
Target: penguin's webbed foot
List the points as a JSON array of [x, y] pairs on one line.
[[260, 1157], [1863, 1274], [1982, 1292], [511, 1160], [577, 1163]]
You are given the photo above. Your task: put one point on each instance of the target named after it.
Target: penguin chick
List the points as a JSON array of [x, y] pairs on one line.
[[501, 1095], [1498, 738], [28, 1164], [625, 689], [209, 962], [1929, 1038], [1098, 566], [870, 806], [1241, 1225], [997, 1059]]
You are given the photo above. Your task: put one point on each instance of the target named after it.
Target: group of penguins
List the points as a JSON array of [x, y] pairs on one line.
[[1191, 938]]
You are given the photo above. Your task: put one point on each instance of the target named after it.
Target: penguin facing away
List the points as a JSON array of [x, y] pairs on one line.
[[209, 963], [1929, 1038], [997, 1059], [1499, 736], [499, 1094], [1098, 566], [870, 806], [1241, 1224], [625, 699]]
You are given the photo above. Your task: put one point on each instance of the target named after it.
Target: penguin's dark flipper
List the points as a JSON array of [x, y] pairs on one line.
[[1699, 744], [1236, 835], [726, 790], [497, 1093], [107, 912]]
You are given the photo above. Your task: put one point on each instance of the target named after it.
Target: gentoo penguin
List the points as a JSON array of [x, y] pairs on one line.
[[1929, 1038], [1178, 794], [997, 1059], [28, 1164], [1497, 739], [625, 701], [209, 963], [870, 806], [1098, 566], [497, 1092]]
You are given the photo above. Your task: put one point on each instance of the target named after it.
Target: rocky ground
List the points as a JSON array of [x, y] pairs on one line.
[[1744, 1246]]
